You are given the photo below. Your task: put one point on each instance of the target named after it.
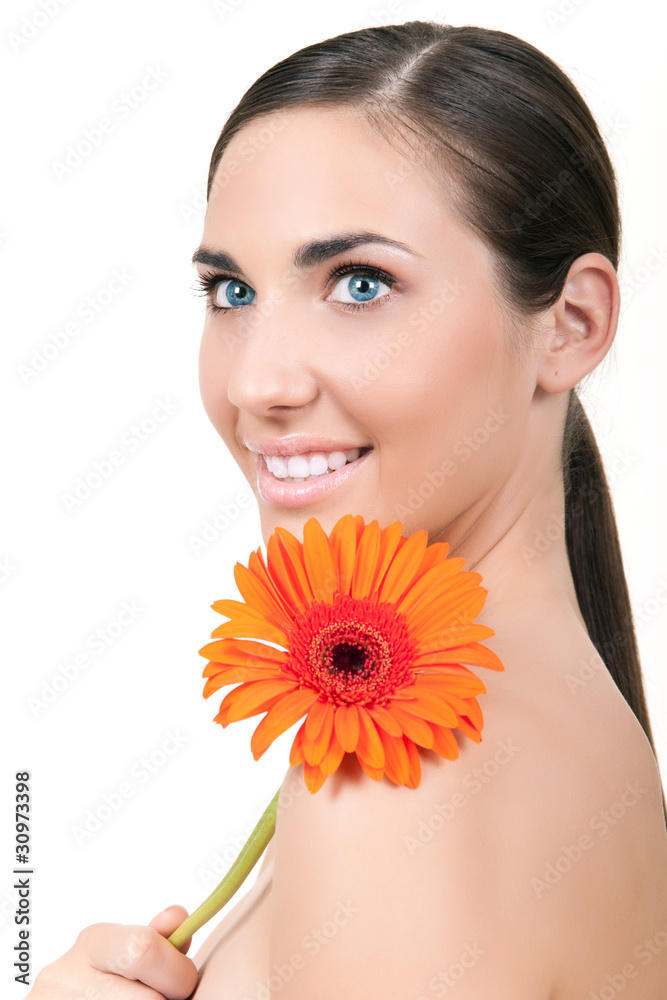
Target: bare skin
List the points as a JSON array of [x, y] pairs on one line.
[[535, 866], [121, 962]]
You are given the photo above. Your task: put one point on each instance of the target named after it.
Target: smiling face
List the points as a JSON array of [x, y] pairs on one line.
[[407, 354]]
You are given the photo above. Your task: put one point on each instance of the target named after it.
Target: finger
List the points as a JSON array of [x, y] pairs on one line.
[[139, 953], [122, 989], [165, 923], [80, 980]]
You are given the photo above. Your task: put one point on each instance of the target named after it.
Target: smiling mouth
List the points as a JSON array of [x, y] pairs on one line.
[[311, 465]]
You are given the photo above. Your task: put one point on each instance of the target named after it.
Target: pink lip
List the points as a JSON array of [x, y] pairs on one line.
[[282, 494], [298, 444]]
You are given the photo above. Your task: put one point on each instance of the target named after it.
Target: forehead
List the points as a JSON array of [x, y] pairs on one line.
[[314, 168]]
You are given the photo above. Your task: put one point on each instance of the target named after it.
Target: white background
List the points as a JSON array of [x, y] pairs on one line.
[[135, 205]]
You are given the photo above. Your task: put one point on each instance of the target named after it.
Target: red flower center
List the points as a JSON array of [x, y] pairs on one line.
[[352, 650]]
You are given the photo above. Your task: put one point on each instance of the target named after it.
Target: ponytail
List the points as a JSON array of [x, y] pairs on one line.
[[596, 562]]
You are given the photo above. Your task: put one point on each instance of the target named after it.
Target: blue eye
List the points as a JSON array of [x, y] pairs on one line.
[[223, 293], [360, 287], [232, 292]]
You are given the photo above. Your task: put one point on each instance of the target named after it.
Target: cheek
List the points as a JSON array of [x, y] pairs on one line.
[[439, 409], [431, 387]]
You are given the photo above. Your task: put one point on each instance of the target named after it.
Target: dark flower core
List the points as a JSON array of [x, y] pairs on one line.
[[353, 650]]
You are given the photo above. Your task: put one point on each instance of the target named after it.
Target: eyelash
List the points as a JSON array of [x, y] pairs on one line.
[[207, 283]]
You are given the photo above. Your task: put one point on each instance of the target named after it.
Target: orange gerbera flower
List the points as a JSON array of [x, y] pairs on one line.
[[375, 631]]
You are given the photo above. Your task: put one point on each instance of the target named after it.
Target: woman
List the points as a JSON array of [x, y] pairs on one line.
[[414, 318]]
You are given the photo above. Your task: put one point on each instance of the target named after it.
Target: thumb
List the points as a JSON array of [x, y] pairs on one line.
[[166, 922]]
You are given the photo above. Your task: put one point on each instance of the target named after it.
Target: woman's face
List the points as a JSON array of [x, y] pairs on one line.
[[413, 363]]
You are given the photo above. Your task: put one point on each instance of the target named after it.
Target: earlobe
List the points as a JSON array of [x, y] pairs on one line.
[[581, 325]]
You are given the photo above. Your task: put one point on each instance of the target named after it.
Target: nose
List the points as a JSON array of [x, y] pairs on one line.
[[273, 366]]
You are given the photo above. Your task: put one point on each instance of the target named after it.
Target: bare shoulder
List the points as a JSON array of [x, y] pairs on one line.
[[582, 819], [488, 874], [599, 822]]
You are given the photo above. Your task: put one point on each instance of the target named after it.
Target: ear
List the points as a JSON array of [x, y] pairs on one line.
[[581, 326]]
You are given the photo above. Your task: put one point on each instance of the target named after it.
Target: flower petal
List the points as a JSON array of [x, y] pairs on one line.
[[438, 579], [462, 606], [257, 566], [294, 562], [283, 575], [314, 750], [459, 687], [280, 717], [466, 727], [369, 747], [427, 705], [445, 744], [414, 764], [233, 675], [346, 723], [319, 560], [314, 777], [472, 652], [436, 553], [415, 728], [246, 623], [296, 751], [474, 713], [403, 566], [257, 596], [316, 717], [457, 610], [223, 719], [334, 755], [366, 561], [396, 763], [232, 608], [467, 707], [384, 719], [454, 607], [434, 637], [442, 681], [344, 546], [247, 699], [375, 773], [390, 541], [244, 653], [262, 629]]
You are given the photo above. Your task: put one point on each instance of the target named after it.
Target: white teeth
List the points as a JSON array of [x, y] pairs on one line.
[[278, 467], [318, 464], [337, 460], [299, 468]]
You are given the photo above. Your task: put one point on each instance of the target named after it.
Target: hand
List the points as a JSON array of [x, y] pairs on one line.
[[121, 962]]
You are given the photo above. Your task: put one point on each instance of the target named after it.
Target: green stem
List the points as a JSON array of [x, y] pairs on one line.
[[248, 857]]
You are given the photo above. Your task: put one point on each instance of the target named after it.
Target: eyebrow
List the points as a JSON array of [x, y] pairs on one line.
[[307, 254]]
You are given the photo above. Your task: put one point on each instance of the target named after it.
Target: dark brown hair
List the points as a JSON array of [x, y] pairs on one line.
[[533, 178]]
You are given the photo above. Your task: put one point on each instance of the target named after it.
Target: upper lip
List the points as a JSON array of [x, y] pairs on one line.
[[299, 444]]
